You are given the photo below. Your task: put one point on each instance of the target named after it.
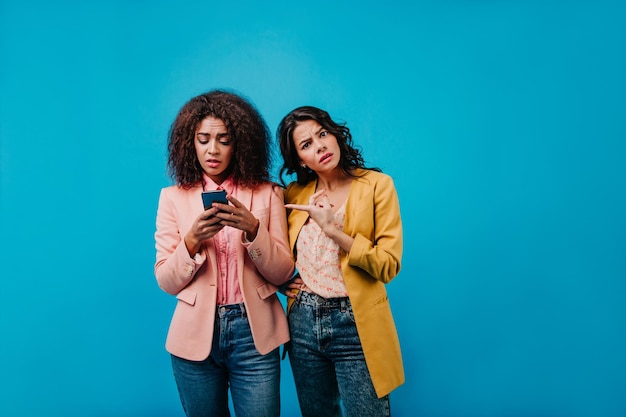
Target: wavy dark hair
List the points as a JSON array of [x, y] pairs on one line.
[[251, 138], [349, 159]]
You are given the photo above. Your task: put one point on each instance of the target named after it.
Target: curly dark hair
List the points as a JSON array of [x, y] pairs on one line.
[[251, 159], [349, 159]]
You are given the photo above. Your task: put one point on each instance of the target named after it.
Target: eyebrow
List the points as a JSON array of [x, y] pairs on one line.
[[309, 137], [219, 135]]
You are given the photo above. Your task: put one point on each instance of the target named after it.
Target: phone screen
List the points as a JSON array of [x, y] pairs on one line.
[[217, 196]]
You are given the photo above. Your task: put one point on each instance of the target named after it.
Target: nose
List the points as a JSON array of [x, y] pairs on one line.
[[212, 147]]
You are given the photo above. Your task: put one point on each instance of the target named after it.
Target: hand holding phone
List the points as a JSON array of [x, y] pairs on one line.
[[205, 226], [214, 196]]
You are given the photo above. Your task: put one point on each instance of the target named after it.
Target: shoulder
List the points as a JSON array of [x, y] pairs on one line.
[[265, 188], [294, 187], [373, 178], [264, 191], [177, 190], [294, 191], [175, 194]]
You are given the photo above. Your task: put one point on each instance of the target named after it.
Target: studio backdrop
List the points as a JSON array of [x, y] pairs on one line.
[[503, 125]]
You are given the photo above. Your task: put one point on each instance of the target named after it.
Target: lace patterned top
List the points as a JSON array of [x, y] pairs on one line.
[[318, 259]]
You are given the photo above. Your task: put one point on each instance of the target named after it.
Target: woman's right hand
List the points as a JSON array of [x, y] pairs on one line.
[[203, 228]]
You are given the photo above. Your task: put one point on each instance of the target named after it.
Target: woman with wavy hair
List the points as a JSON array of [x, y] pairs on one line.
[[346, 234], [225, 261]]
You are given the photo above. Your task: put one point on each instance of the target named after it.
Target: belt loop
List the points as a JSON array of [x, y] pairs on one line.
[[343, 305], [244, 313]]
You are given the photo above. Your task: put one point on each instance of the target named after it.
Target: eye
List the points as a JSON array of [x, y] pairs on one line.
[[224, 140], [202, 138], [323, 133], [305, 145]]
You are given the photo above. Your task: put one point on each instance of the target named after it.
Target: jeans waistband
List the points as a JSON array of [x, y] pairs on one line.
[[309, 298], [231, 310]]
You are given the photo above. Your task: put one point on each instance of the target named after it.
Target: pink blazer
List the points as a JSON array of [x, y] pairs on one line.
[[263, 265]]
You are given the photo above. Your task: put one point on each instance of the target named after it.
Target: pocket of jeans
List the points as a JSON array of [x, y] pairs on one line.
[[350, 313]]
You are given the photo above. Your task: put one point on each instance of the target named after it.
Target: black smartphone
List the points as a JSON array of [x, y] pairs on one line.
[[215, 196]]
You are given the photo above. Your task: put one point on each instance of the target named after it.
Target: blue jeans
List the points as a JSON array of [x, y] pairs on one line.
[[327, 360], [234, 362]]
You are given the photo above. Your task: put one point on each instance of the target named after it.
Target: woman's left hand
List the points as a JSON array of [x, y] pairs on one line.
[[238, 216], [294, 287]]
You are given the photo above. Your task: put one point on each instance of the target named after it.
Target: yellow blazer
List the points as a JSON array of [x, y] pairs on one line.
[[373, 220]]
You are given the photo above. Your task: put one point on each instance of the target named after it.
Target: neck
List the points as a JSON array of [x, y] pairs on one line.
[[331, 181]]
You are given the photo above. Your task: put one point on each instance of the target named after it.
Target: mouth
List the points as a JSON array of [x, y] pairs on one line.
[[213, 163], [325, 157]]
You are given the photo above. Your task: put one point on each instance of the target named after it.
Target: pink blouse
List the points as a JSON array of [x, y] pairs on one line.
[[225, 242]]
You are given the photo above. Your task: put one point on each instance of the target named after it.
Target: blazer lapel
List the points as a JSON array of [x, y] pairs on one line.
[[297, 218], [244, 195]]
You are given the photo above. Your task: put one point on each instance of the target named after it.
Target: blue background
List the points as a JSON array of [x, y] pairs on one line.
[[502, 123]]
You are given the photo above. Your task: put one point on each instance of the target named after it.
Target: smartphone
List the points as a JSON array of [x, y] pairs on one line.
[[215, 196]]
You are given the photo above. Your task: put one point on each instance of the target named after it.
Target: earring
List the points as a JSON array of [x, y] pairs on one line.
[[303, 165]]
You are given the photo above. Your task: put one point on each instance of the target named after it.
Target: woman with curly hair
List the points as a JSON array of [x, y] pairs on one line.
[[225, 261], [345, 229]]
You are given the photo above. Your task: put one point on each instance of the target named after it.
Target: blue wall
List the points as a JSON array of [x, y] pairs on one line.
[[502, 123]]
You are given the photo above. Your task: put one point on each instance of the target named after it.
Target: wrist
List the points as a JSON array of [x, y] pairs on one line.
[[193, 245], [331, 230], [251, 234]]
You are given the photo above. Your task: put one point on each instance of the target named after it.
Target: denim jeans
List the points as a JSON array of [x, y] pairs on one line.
[[234, 362], [327, 360]]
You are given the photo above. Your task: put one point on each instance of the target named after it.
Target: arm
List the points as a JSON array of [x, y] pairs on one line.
[[269, 250], [372, 239], [175, 268], [379, 253]]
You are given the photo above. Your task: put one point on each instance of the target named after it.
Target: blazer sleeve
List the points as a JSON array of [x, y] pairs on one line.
[[174, 268], [270, 249], [379, 252]]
